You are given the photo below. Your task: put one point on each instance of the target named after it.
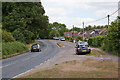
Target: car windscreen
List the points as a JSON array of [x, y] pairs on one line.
[[34, 46], [83, 46]]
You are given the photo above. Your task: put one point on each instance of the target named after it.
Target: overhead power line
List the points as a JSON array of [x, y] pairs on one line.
[[103, 17], [115, 12]]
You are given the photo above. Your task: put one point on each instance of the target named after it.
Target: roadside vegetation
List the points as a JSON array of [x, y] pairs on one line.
[[78, 69], [97, 53], [110, 42], [10, 49], [60, 44]]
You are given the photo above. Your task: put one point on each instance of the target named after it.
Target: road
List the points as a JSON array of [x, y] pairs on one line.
[[14, 66]]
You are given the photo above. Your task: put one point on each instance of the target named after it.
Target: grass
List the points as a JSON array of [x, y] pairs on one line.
[[18, 53], [78, 69], [97, 53], [112, 53], [60, 44]]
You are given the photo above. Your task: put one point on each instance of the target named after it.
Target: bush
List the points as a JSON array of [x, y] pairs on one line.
[[79, 38], [7, 36], [96, 41], [10, 48]]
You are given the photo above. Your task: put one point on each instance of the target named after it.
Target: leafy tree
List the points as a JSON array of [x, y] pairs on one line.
[[76, 29], [27, 16], [112, 41], [60, 28], [23, 35], [54, 33]]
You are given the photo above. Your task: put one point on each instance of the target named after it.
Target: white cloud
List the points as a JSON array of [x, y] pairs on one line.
[[61, 10]]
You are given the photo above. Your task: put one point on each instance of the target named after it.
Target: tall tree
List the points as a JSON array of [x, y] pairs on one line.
[[26, 16]]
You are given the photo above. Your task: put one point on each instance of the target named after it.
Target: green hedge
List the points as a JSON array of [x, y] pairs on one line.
[[96, 41], [11, 48], [79, 38]]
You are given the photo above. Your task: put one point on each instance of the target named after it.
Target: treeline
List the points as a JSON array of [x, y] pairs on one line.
[[25, 20], [87, 28], [57, 29]]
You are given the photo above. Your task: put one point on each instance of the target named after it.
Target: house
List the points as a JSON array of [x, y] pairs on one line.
[[73, 34], [88, 33], [103, 31]]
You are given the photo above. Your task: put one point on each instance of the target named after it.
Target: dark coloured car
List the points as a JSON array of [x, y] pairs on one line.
[[35, 47], [81, 49]]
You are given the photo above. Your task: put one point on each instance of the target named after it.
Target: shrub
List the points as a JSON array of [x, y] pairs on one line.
[[79, 38], [96, 41], [10, 48], [7, 36]]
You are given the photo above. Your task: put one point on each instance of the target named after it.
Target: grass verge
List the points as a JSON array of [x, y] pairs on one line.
[[60, 44], [8, 55], [97, 53], [78, 69]]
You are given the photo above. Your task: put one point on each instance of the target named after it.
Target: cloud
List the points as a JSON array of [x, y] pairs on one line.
[[63, 11]]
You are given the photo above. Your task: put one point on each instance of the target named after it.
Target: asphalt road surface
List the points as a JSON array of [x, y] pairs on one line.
[[14, 66]]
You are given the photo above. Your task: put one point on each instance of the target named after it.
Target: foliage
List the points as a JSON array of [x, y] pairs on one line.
[[76, 29], [54, 33], [96, 41], [7, 36], [79, 38], [10, 48], [28, 16], [112, 41], [60, 28], [23, 35]]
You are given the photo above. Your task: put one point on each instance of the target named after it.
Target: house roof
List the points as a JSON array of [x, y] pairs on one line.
[[103, 30], [97, 30], [88, 32]]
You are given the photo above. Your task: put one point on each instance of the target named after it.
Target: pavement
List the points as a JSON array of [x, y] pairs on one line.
[[20, 64]]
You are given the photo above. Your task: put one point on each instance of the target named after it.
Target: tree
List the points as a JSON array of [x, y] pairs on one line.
[[26, 16], [23, 35], [112, 41], [54, 33], [60, 28]]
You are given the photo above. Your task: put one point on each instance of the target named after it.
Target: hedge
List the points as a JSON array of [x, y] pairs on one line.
[[96, 41], [11, 48]]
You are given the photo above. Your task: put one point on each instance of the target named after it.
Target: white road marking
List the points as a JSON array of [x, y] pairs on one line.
[[23, 73]]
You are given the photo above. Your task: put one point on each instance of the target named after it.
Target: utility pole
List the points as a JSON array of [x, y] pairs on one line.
[[83, 31], [108, 20], [73, 31]]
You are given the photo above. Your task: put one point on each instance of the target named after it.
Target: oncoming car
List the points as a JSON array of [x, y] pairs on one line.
[[80, 49], [35, 47]]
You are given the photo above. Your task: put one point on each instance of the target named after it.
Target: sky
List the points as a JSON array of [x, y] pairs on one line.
[[75, 12]]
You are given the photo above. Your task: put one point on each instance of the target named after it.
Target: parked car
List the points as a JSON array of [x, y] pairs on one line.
[[85, 43], [82, 43], [80, 49], [35, 47], [62, 39], [55, 38]]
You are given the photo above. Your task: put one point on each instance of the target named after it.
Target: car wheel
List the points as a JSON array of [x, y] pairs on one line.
[[76, 53], [31, 51]]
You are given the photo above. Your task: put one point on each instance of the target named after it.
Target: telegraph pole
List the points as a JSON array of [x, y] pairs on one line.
[[108, 20], [83, 31], [73, 31]]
